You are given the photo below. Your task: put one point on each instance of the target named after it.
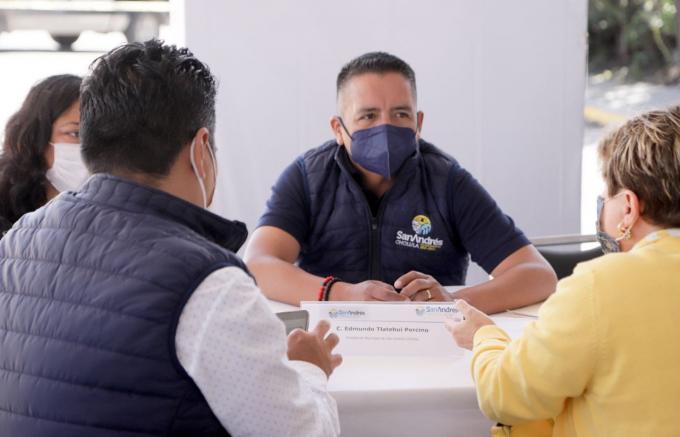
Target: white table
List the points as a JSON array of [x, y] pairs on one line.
[[411, 396]]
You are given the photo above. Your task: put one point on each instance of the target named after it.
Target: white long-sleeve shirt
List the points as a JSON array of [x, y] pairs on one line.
[[234, 348]]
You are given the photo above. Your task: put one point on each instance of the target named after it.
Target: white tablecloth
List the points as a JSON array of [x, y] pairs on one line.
[[411, 396]]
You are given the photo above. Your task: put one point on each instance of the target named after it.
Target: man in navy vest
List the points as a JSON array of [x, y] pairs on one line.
[[380, 214], [123, 308]]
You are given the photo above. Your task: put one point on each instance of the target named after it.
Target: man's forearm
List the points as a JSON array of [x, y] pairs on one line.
[[520, 286], [282, 281]]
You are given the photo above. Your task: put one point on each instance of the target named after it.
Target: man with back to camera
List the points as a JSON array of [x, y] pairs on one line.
[[380, 214], [125, 311]]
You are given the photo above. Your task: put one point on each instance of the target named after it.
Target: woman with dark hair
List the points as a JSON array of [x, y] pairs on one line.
[[41, 151]]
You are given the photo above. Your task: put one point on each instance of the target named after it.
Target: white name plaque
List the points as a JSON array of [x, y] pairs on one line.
[[368, 328]]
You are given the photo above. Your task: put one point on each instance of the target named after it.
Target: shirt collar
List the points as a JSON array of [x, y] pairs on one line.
[[656, 236]]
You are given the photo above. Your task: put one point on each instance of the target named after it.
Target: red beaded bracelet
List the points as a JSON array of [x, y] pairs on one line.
[[322, 290], [327, 288]]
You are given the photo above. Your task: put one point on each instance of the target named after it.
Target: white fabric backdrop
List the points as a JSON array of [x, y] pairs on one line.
[[501, 85]]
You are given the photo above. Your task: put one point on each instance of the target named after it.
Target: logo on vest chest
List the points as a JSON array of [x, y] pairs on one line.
[[420, 239]]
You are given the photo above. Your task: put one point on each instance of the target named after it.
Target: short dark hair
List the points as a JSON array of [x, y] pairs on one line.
[[376, 62], [140, 104], [23, 185]]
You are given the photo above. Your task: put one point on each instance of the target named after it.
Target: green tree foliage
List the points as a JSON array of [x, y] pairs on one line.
[[637, 34]]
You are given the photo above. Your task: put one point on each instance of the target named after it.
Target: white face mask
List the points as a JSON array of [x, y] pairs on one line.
[[201, 184], [68, 171]]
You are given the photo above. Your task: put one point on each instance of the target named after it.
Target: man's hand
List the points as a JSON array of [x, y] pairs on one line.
[[367, 290], [421, 287], [315, 347], [463, 332]]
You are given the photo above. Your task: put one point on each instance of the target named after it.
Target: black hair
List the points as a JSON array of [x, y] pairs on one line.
[[23, 185], [140, 104], [376, 62]]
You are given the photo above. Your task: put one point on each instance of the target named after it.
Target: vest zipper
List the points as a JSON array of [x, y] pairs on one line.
[[374, 261], [375, 267]]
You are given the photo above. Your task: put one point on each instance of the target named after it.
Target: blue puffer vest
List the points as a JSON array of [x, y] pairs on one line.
[[412, 229], [91, 289]]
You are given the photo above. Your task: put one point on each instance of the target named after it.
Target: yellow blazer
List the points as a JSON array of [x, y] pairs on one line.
[[603, 358]]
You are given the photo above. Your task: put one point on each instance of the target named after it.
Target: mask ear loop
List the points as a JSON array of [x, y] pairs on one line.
[[342, 123], [198, 176], [214, 166], [625, 232]]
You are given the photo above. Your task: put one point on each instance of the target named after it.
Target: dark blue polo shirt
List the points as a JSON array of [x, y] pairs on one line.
[[462, 212]]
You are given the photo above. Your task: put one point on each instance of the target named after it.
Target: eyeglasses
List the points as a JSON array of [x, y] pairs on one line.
[[600, 205], [601, 201]]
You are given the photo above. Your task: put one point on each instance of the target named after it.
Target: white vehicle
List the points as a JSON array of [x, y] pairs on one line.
[[66, 19]]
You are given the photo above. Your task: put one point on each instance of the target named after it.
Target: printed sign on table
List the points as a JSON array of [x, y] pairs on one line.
[[367, 328]]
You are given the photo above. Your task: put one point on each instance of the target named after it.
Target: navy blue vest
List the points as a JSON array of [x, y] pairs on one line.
[[411, 231], [91, 289]]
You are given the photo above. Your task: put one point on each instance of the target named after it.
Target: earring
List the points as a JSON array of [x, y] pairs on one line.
[[625, 232]]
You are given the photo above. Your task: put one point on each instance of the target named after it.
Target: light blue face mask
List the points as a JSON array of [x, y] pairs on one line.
[[382, 149]]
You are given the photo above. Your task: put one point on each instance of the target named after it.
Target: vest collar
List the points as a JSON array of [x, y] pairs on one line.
[[130, 196]]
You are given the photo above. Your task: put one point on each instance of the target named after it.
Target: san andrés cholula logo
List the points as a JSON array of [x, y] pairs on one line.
[[422, 227], [431, 309], [337, 313]]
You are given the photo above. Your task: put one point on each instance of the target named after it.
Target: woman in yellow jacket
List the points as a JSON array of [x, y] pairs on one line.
[[603, 357]]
